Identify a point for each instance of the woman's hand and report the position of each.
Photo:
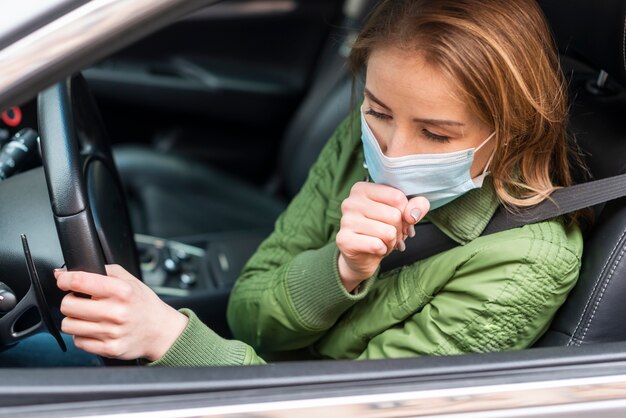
(375, 220)
(124, 318)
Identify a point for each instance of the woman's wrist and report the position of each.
(168, 332)
(350, 279)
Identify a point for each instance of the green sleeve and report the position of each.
(199, 346)
(290, 291)
(503, 298)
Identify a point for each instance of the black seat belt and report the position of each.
(429, 240)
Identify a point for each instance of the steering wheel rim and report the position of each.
(85, 191)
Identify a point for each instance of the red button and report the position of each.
(12, 117)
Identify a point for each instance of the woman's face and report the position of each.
(413, 109)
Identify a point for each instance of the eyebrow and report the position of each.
(439, 122)
(373, 98)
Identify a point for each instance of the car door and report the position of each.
(207, 88)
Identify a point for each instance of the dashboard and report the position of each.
(19, 150)
(16, 118)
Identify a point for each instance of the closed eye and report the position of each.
(434, 137)
(376, 114)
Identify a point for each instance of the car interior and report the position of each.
(215, 120)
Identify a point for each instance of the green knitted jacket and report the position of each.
(492, 293)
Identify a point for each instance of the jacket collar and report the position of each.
(465, 218)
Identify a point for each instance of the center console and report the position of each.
(195, 265)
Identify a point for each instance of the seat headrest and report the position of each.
(592, 30)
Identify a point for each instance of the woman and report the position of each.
(464, 110)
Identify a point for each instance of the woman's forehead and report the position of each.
(405, 81)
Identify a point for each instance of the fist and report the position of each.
(376, 219)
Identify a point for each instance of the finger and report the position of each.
(355, 244)
(394, 198)
(381, 193)
(89, 329)
(376, 211)
(58, 271)
(364, 226)
(92, 310)
(414, 212)
(108, 348)
(115, 270)
(96, 285)
(91, 345)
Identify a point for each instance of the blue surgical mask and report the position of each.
(440, 178)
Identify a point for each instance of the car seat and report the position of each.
(170, 196)
(591, 37)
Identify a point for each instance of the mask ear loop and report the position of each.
(479, 179)
(486, 169)
(484, 142)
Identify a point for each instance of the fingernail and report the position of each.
(416, 214)
(404, 237)
(411, 231)
(401, 246)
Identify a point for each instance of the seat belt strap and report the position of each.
(561, 202)
(430, 240)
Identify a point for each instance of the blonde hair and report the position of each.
(501, 56)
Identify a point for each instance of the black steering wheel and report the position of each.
(79, 191)
(85, 191)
